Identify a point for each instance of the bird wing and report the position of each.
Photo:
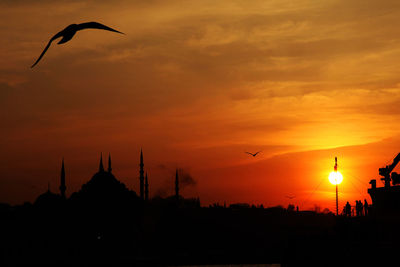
(249, 153)
(58, 35)
(257, 153)
(95, 25)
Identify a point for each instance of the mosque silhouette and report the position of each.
(104, 190)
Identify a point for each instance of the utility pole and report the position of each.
(337, 196)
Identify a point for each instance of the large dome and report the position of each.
(104, 190)
(103, 183)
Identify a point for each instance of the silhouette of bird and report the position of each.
(253, 154)
(70, 31)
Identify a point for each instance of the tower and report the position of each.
(176, 185)
(141, 177)
(62, 180)
(101, 168)
(146, 189)
(109, 163)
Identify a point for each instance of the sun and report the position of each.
(335, 178)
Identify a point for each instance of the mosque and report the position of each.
(104, 192)
(102, 188)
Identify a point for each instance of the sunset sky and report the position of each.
(196, 84)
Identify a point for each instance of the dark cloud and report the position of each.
(185, 179)
(167, 187)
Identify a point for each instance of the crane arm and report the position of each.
(389, 168)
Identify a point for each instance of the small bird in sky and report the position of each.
(70, 31)
(253, 154)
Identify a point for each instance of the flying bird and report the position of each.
(70, 31)
(253, 154)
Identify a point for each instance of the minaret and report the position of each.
(146, 189)
(109, 163)
(141, 177)
(176, 185)
(62, 180)
(101, 168)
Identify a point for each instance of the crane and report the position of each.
(387, 174)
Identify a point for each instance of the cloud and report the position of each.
(185, 179)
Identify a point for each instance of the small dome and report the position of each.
(47, 199)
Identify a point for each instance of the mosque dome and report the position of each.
(103, 182)
(103, 189)
(47, 199)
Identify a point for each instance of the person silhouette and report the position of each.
(357, 208)
(348, 209)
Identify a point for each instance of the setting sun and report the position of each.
(335, 178)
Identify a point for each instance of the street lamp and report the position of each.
(336, 178)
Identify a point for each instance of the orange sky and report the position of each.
(197, 83)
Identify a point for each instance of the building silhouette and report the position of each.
(103, 189)
(48, 200)
(104, 193)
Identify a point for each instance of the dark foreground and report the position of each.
(156, 235)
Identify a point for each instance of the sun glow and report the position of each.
(335, 178)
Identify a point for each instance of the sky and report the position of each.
(195, 84)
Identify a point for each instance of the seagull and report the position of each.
(70, 31)
(255, 154)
